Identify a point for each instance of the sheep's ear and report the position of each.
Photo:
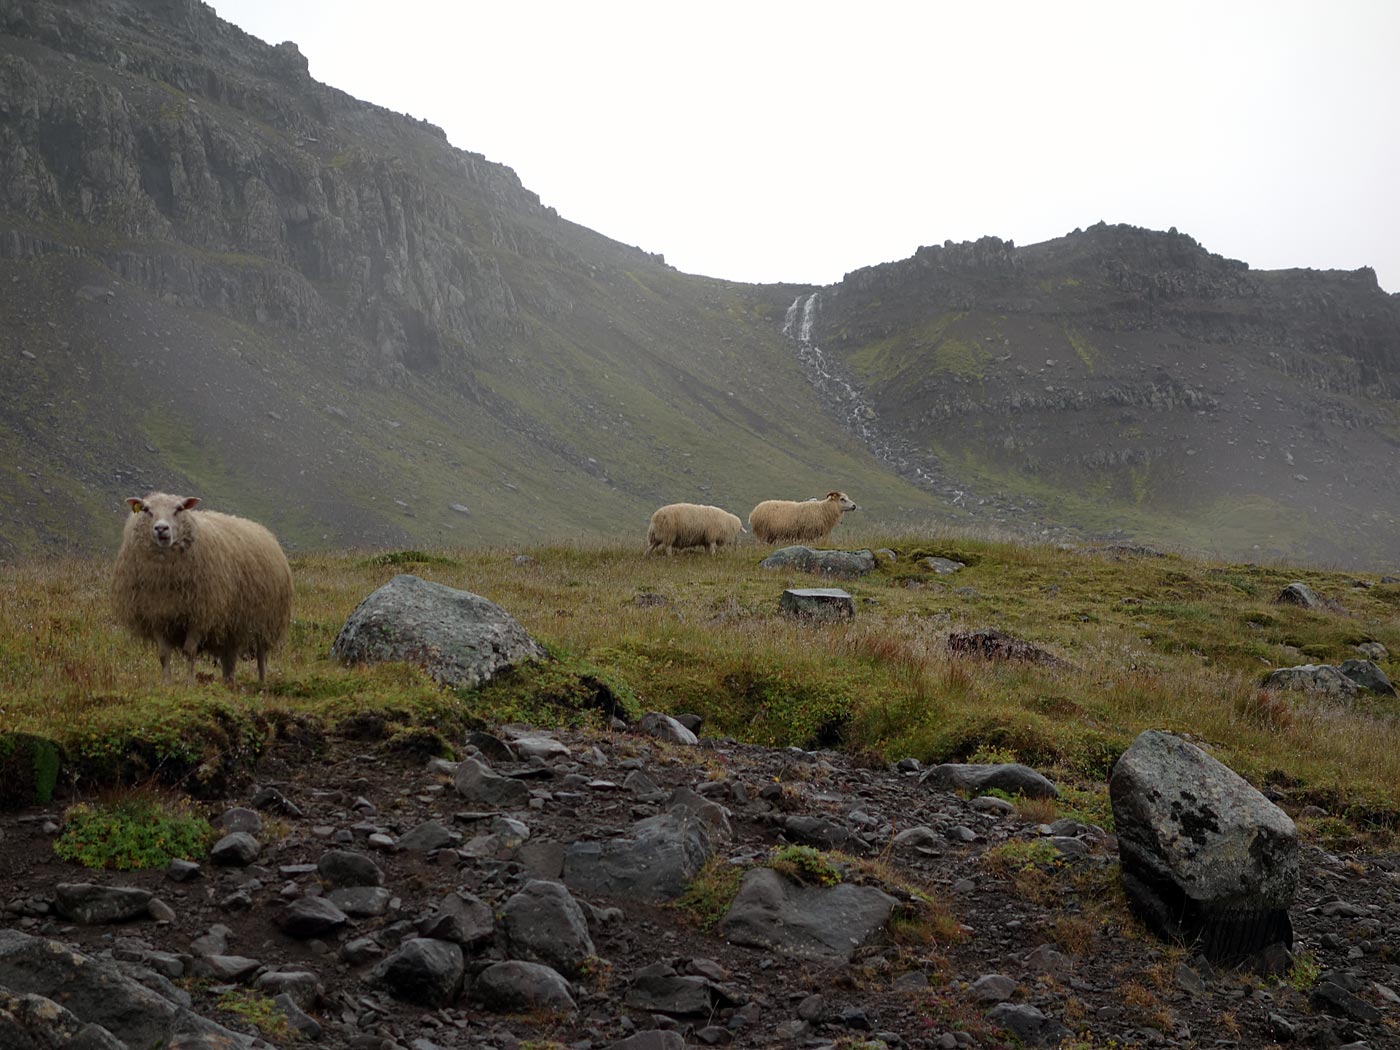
(189, 503)
(136, 505)
(833, 494)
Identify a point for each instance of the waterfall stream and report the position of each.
(847, 401)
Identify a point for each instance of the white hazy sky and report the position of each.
(767, 140)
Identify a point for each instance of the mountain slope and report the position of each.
(1129, 380)
(226, 278)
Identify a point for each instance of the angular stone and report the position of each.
(942, 566)
(309, 917)
(241, 819)
(664, 727)
(1011, 777)
(462, 919)
(651, 1039)
(361, 902)
(1205, 857)
(543, 923)
(1368, 676)
(815, 922)
(1298, 593)
(1028, 1024)
(99, 994)
(522, 987)
(480, 785)
(537, 745)
(828, 604)
(993, 988)
(35, 1022)
(91, 905)
(235, 850)
(298, 1020)
(429, 835)
(459, 638)
(340, 867)
(846, 565)
(660, 858)
(302, 986)
(422, 971)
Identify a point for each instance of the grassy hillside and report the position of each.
(1144, 642)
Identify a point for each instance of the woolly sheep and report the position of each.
(680, 525)
(200, 582)
(786, 521)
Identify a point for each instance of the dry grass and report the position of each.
(1154, 643)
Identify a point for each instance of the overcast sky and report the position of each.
(772, 141)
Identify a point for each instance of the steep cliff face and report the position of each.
(1126, 379)
(224, 277)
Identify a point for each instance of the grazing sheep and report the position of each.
(786, 521)
(680, 525)
(201, 582)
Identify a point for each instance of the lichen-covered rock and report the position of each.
(1319, 679)
(1205, 857)
(459, 638)
(844, 564)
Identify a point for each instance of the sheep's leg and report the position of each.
(650, 547)
(165, 650)
(191, 651)
(262, 662)
(228, 660)
(713, 547)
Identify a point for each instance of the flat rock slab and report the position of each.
(91, 905)
(1205, 857)
(459, 638)
(846, 565)
(1011, 777)
(812, 922)
(818, 603)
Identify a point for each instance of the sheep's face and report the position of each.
(843, 501)
(164, 517)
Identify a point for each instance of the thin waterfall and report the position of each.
(840, 394)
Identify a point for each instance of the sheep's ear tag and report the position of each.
(135, 504)
(190, 503)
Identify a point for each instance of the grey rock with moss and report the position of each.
(461, 639)
(1206, 859)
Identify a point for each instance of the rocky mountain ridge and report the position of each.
(226, 278)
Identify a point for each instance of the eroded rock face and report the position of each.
(1206, 858)
(459, 638)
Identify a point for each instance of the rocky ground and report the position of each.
(402, 885)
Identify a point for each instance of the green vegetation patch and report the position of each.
(395, 558)
(707, 899)
(805, 864)
(136, 830)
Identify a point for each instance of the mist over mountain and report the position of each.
(221, 277)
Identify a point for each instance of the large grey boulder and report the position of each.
(1318, 679)
(1368, 676)
(522, 987)
(1205, 857)
(1011, 777)
(543, 923)
(423, 971)
(459, 638)
(33, 1022)
(658, 860)
(846, 565)
(100, 995)
(824, 923)
(462, 918)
